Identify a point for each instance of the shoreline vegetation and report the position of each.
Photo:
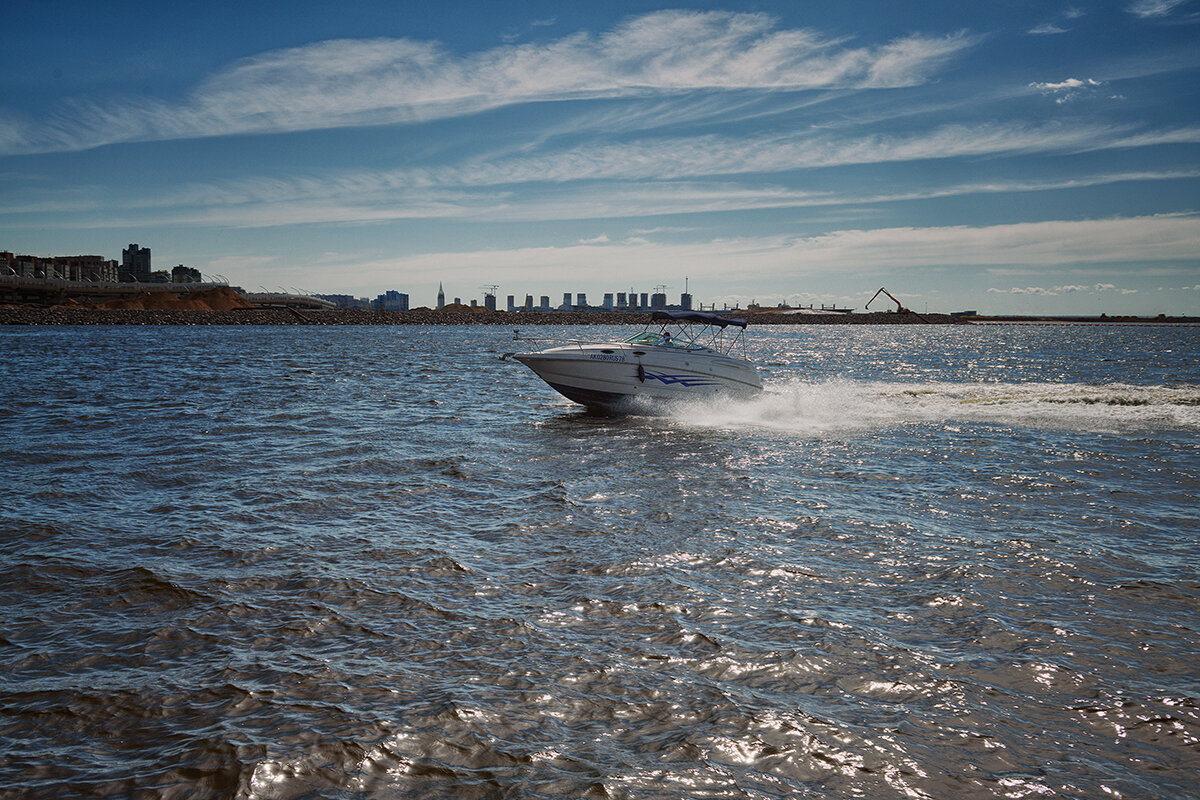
(84, 315)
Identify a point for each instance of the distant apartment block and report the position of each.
(182, 274)
(347, 301)
(135, 263)
(577, 301)
(65, 268)
(390, 301)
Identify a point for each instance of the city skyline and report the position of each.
(1016, 159)
(136, 267)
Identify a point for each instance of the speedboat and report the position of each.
(680, 355)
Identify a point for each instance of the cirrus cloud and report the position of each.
(1046, 247)
(347, 83)
(1056, 291)
(1148, 9)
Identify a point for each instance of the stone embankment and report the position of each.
(81, 315)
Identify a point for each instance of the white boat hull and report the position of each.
(615, 376)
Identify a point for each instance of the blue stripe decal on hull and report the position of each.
(680, 380)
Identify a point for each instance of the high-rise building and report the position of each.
(581, 301)
(135, 263)
(658, 300)
(685, 301)
(512, 303)
(441, 301)
(608, 301)
(566, 306)
(528, 302)
(391, 301)
(545, 304)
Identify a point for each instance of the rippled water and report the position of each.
(380, 562)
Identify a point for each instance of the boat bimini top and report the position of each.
(692, 330)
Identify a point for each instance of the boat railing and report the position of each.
(543, 340)
(688, 336)
(520, 337)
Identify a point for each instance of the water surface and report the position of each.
(382, 562)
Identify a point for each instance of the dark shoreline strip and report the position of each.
(60, 315)
(32, 315)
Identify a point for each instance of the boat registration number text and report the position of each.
(606, 357)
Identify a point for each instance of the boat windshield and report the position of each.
(646, 337)
(661, 338)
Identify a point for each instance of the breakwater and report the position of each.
(72, 315)
(69, 315)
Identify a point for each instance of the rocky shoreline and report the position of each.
(82, 315)
(68, 315)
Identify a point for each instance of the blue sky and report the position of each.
(1010, 157)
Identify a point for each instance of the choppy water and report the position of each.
(381, 562)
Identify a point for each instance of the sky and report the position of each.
(1009, 157)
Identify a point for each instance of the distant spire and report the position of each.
(441, 296)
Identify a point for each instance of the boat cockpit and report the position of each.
(662, 338)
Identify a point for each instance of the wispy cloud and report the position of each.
(1054, 28)
(1056, 291)
(1154, 8)
(690, 157)
(1047, 246)
(350, 202)
(651, 178)
(345, 83)
(1050, 243)
(1151, 138)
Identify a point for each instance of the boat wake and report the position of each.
(847, 406)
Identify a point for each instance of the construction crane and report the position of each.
(900, 309)
(489, 296)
